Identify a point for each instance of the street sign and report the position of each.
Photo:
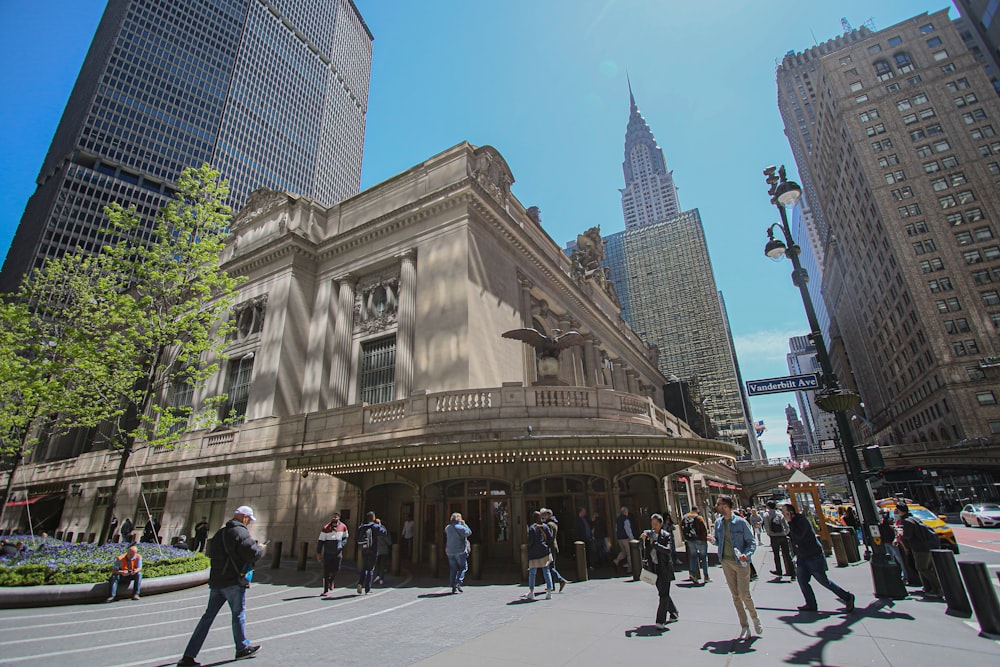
(827, 444)
(783, 384)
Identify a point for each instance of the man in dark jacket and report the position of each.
(777, 530)
(659, 545)
(919, 542)
(233, 553)
(810, 560)
(625, 532)
(367, 539)
(550, 520)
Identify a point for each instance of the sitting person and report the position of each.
(182, 543)
(127, 567)
(8, 549)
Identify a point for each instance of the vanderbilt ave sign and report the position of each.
(783, 384)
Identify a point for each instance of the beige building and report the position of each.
(369, 373)
(895, 137)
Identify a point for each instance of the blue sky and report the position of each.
(543, 81)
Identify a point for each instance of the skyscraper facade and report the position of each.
(271, 94)
(819, 425)
(895, 137)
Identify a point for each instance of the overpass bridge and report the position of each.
(980, 454)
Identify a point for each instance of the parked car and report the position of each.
(983, 514)
(935, 522)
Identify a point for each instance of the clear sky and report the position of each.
(543, 81)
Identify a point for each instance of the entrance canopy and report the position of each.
(31, 500)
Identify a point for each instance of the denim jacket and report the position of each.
(741, 533)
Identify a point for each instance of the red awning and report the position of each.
(717, 485)
(681, 478)
(30, 501)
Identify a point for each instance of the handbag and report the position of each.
(646, 575)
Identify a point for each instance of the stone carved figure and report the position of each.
(547, 347)
(260, 202)
(376, 304)
(490, 170)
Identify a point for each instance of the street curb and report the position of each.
(46, 596)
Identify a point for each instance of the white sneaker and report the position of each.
(758, 628)
(361, 588)
(744, 633)
(548, 594)
(529, 596)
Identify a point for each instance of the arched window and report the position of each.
(882, 70)
(903, 62)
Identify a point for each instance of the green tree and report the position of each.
(145, 315)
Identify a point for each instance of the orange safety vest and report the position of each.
(126, 563)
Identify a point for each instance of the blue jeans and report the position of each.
(816, 567)
(546, 572)
(236, 596)
(555, 573)
(119, 578)
(459, 565)
(697, 553)
(367, 573)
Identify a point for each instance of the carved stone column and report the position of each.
(631, 381)
(340, 361)
(406, 323)
(618, 378)
(317, 362)
(566, 361)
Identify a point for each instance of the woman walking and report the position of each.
(659, 547)
(539, 555)
(756, 521)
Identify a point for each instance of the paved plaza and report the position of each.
(605, 621)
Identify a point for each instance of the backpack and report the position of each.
(775, 522)
(366, 540)
(925, 536)
(689, 529)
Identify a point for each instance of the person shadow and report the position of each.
(646, 631)
(443, 594)
(730, 646)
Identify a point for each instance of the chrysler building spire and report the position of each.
(649, 195)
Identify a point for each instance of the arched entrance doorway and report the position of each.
(642, 495)
(392, 502)
(485, 504)
(565, 496)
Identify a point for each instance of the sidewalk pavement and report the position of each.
(611, 622)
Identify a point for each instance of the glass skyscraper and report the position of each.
(271, 94)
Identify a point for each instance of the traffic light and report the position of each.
(873, 458)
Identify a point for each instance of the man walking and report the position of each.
(810, 561)
(368, 533)
(200, 534)
(330, 550)
(695, 534)
(777, 530)
(585, 534)
(734, 538)
(456, 535)
(549, 519)
(233, 553)
(625, 532)
(919, 540)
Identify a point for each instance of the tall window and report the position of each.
(240, 373)
(378, 370)
(155, 495)
(181, 397)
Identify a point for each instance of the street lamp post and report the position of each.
(886, 575)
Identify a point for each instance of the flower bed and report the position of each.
(51, 561)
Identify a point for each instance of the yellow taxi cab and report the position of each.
(929, 519)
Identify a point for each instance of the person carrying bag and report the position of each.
(658, 545)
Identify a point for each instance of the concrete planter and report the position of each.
(44, 596)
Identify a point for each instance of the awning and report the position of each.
(31, 500)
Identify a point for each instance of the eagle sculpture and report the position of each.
(548, 347)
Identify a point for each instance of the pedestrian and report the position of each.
(550, 521)
(658, 544)
(182, 543)
(201, 534)
(113, 530)
(126, 534)
(919, 539)
(539, 555)
(233, 555)
(585, 534)
(151, 533)
(384, 554)
(127, 567)
(407, 536)
(810, 562)
(777, 530)
(625, 532)
(887, 533)
(367, 539)
(600, 531)
(695, 534)
(456, 548)
(755, 523)
(330, 549)
(852, 521)
(734, 539)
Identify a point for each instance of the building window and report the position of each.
(983, 234)
(991, 298)
(934, 41)
(856, 87)
(942, 146)
(916, 228)
(181, 397)
(973, 257)
(152, 495)
(940, 55)
(949, 162)
(931, 265)
(903, 63)
(940, 285)
(995, 426)
(981, 277)
(964, 238)
(921, 247)
(238, 395)
(895, 41)
(378, 370)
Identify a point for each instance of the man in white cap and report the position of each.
(233, 552)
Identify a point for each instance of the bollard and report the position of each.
(432, 559)
(581, 561)
(951, 583)
(394, 563)
(851, 545)
(524, 563)
(476, 562)
(635, 549)
(983, 595)
(276, 556)
(303, 555)
(839, 550)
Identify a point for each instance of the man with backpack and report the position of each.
(919, 539)
(777, 529)
(368, 533)
(695, 534)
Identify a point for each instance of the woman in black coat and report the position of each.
(659, 546)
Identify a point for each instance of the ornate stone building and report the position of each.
(368, 371)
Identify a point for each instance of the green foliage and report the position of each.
(96, 573)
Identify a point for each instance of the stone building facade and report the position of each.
(368, 372)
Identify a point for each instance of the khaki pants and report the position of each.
(738, 579)
(925, 566)
(625, 553)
